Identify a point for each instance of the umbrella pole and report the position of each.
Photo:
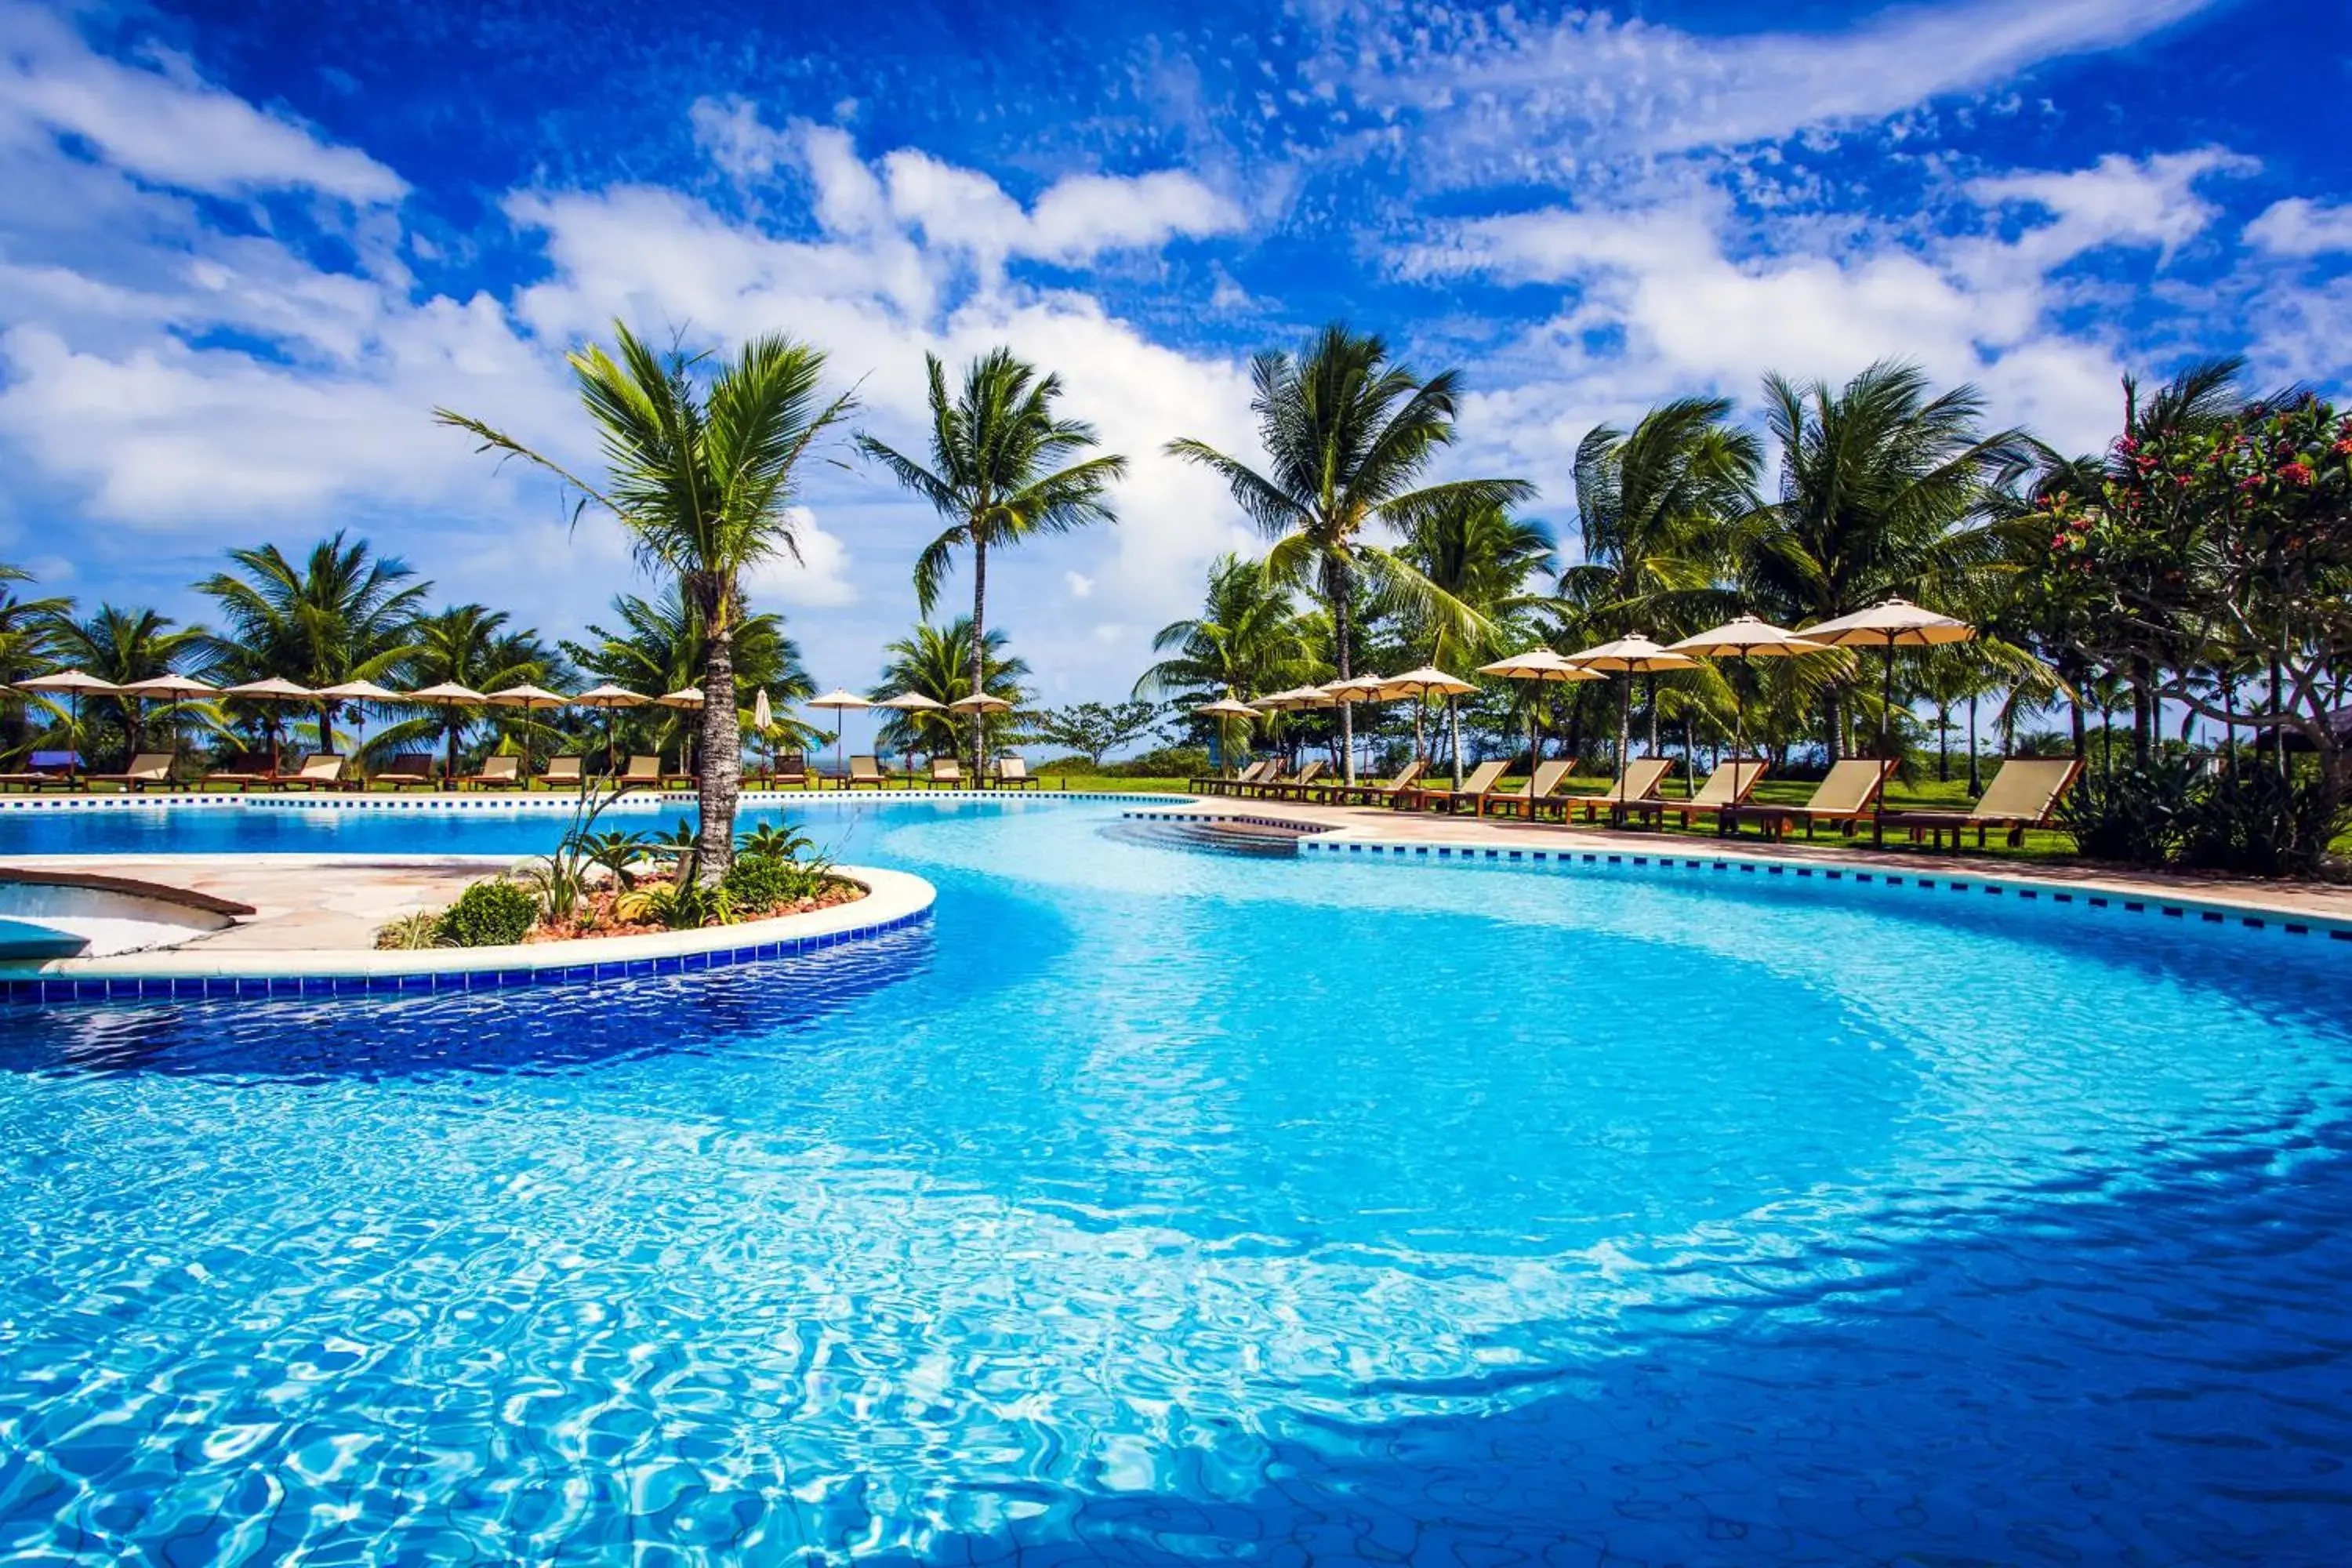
(1885, 722)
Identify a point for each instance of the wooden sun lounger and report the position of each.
(1474, 791)
(867, 772)
(562, 772)
(1544, 786)
(502, 772)
(1388, 794)
(1639, 783)
(323, 771)
(1843, 799)
(946, 771)
(790, 771)
(1292, 788)
(1255, 773)
(1012, 773)
(408, 770)
(148, 769)
(1729, 785)
(245, 770)
(2023, 794)
(35, 780)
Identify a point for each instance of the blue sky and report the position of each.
(245, 248)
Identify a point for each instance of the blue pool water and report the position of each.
(1155, 1205)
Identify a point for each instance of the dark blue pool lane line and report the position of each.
(214, 987)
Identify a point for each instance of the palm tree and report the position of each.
(27, 633)
(1347, 434)
(658, 646)
(996, 475)
(1248, 639)
(940, 663)
(344, 615)
(1482, 558)
(1879, 483)
(122, 646)
(703, 478)
(466, 644)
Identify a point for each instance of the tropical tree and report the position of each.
(1001, 472)
(701, 472)
(940, 663)
(1887, 488)
(27, 637)
(1485, 559)
(1247, 640)
(345, 614)
(469, 645)
(1348, 435)
(1095, 729)
(120, 647)
(658, 645)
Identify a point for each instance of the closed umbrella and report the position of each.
(841, 700)
(1538, 664)
(1887, 626)
(1225, 710)
(275, 689)
(912, 703)
(1744, 637)
(609, 698)
(1636, 655)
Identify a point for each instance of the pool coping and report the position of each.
(894, 901)
(551, 801)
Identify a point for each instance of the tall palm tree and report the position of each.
(945, 664)
(703, 476)
(1346, 433)
(27, 637)
(345, 614)
(1000, 473)
(1485, 559)
(1884, 490)
(122, 646)
(1248, 639)
(466, 644)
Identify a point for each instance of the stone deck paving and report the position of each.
(303, 903)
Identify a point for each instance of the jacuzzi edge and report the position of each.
(894, 900)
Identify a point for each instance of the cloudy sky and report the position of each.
(245, 248)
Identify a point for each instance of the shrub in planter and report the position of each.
(2260, 825)
(758, 883)
(487, 914)
(2136, 815)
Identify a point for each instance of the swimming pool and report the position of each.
(1155, 1205)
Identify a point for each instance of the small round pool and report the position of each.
(1151, 1204)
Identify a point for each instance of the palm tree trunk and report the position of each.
(1836, 703)
(1453, 723)
(1976, 786)
(979, 655)
(720, 778)
(327, 727)
(1343, 623)
(1944, 740)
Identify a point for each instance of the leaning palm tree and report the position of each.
(1347, 434)
(997, 475)
(345, 614)
(702, 475)
(1884, 490)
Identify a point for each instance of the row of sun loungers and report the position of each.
(2024, 794)
(152, 771)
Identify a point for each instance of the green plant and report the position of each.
(756, 884)
(487, 914)
(2257, 823)
(2134, 815)
(775, 841)
(410, 932)
(615, 852)
(682, 905)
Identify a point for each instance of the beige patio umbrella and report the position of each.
(1636, 655)
(530, 700)
(979, 705)
(73, 685)
(686, 697)
(912, 703)
(610, 698)
(360, 691)
(1422, 684)
(1346, 694)
(171, 688)
(1889, 624)
(1538, 664)
(841, 700)
(274, 689)
(1744, 637)
(449, 696)
(1225, 710)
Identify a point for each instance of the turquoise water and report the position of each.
(1155, 1205)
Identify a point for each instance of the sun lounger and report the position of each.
(1389, 794)
(244, 770)
(1292, 788)
(562, 772)
(1729, 784)
(323, 771)
(1545, 785)
(501, 771)
(1638, 783)
(1012, 773)
(947, 771)
(148, 769)
(34, 780)
(865, 773)
(1255, 773)
(1843, 798)
(408, 770)
(1473, 793)
(642, 770)
(2023, 794)
(790, 771)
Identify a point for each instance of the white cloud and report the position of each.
(818, 579)
(2299, 227)
(1081, 585)
(166, 125)
(2117, 201)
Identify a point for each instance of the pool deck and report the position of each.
(301, 903)
(1382, 825)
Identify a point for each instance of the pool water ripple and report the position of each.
(1155, 1205)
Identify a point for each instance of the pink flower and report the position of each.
(2296, 474)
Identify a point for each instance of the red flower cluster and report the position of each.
(2296, 473)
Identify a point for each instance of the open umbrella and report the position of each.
(1538, 664)
(75, 685)
(1887, 626)
(448, 696)
(841, 700)
(530, 700)
(169, 689)
(1744, 637)
(1636, 655)
(610, 697)
(1225, 710)
(274, 689)
(356, 692)
(1348, 693)
(979, 705)
(686, 697)
(912, 703)
(1423, 683)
